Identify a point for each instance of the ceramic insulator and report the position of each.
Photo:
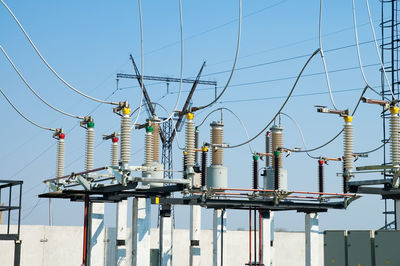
(348, 147)
(125, 139)
(190, 143)
(217, 138)
(156, 142)
(89, 149)
(60, 157)
(394, 139)
(148, 151)
(114, 154)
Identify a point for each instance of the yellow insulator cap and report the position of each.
(348, 119)
(126, 111)
(394, 110)
(184, 153)
(204, 148)
(190, 116)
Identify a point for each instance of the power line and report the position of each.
(47, 64)
(32, 90)
(234, 63)
(23, 116)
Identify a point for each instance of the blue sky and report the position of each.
(89, 42)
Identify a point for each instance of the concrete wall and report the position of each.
(62, 246)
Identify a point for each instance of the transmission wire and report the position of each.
(47, 64)
(33, 91)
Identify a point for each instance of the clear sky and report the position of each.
(89, 42)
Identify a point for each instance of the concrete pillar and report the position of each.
(313, 254)
(97, 256)
(122, 223)
(219, 238)
(267, 237)
(195, 232)
(397, 214)
(141, 232)
(166, 236)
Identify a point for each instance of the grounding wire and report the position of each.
(323, 55)
(234, 62)
(237, 117)
(377, 48)
(358, 49)
(181, 69)
(33, 91)
(23, 116)
(283, 105)
(374, 150)
(47, 64)
(142, 61)
(301, 134)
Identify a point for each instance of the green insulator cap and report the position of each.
(255, 157)
(90, 124)
(276, 153)
(149, 129)
(196, 128)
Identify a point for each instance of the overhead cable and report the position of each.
(47, 64)
(358, 49)
(283, 105)
(377, 48)
(234, 63)
(237, 117)
(33, 91)
(181, 70)
(141, 63)
(323, 55)
(23, 116)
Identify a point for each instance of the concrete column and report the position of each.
(122, 221)
(141, 232)
(267, 238)
(97, 256)
(195, 232)
(166, 237)
(397, 214)
(313, 254)
(219, 238)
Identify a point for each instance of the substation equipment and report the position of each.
(201, 186)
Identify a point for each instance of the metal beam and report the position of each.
(166, 79)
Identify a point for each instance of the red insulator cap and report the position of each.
(268, 133)
(61, 136)
(114, 139)
(321, 162)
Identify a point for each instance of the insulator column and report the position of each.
(156, 142)
(190, 140)
(321, 176)
(89, 165)
(217, 136)
(60, 154)
(184, 157)
(255, 171)
(125, 154)
(114, 151)
(268, 161)
(204, 166)
(148, 151)
(276, 132)
(394, 136)
(348, 147)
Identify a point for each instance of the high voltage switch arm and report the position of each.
(23, 116)
(186, 105)
(33, 91)
(47, 64)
